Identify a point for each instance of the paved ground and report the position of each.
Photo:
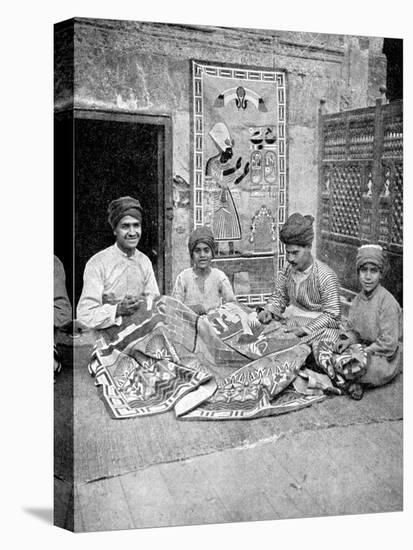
(337, 457)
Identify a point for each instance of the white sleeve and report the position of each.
(90, 310)
(226, 290)
(151, 288)
(178, 291)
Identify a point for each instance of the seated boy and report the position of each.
(373, 329)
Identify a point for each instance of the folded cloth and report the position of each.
(309, 382)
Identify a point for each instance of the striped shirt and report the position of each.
(317, 292)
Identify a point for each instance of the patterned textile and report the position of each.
(224, 366)
(252, 391)
(310, 382)
(225, 224)
(343, 367)
(147, 364)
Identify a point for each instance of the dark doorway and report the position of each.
(117, 155)
(63, 237)
(393, 50)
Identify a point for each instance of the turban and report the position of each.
(370, 253)
(201, 235)
(124, 206)
(298, 230)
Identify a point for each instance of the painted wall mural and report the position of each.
(239, 151)
(239, 172)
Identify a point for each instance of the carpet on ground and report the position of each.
(167, 357)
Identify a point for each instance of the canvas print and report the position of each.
(228, 219)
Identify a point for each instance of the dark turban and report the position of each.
(298, 230)
(124, 206)
(201, 235)
(370, 253)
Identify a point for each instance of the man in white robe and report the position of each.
(119, 279)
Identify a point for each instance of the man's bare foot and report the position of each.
(356, 391)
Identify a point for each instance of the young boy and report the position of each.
(374, 322)
(202, 287)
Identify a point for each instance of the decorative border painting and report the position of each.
(241, 195)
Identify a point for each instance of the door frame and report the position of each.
(164, 184)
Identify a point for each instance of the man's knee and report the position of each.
(379, 372)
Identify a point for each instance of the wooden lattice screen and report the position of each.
(361, 189)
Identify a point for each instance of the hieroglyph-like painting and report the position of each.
(239, 157)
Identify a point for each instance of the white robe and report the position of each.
(109, 276)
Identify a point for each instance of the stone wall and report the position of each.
(134, 67)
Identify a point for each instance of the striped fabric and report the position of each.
(320, 291)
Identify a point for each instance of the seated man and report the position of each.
(120, 278)
(62, 309)
(307, 290)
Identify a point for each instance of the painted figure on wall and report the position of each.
(225, 223)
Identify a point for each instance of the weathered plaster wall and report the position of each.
(137, 67)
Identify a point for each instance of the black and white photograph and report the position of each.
(226, 219)
(235, 274)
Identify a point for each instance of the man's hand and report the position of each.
(67, 326)
(73, 327)
(265, 316)
(298, 331)
(128, 306)
(343, 344)
(198, 309)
